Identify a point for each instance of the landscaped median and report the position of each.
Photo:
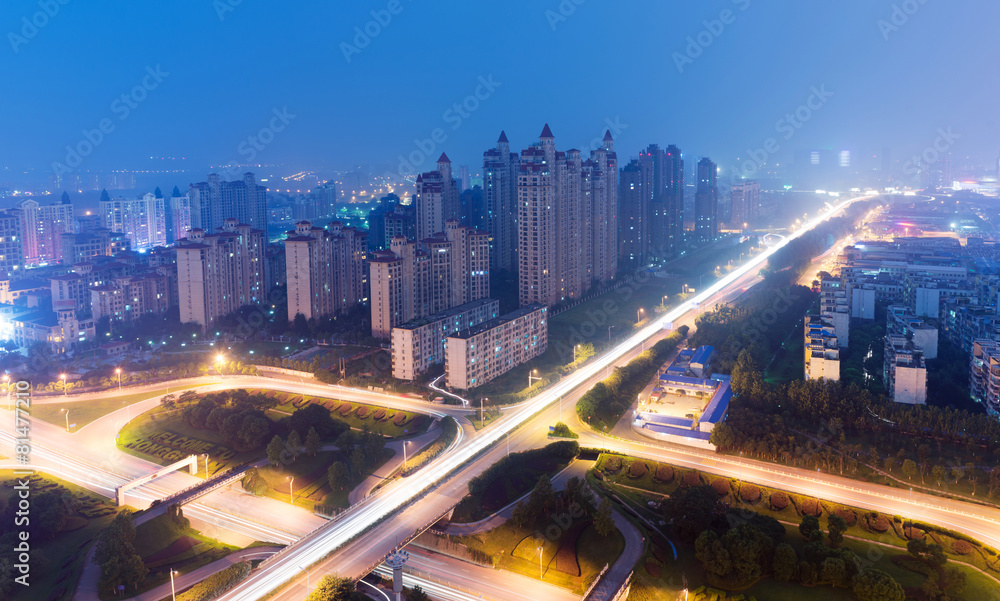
(604, 404)
(741, 538)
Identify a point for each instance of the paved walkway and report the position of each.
(614, 578)
(576, 469)
(413, 446)
(87, 589)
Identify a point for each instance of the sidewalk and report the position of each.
(414, 446)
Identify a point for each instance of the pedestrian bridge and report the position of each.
(191, 462)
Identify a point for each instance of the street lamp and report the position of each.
(219, 359)
(638, 315)
(63, 378)
(531, 377)
(482, 411)
(173, 593)
(291, 490)
(541, 570)
(574, 352)
(66, 411)
(118, 371)
(308, 586)
(405, 442)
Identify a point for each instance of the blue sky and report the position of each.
(601, 61)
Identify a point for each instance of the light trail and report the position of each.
(329, 538)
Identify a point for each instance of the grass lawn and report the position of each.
(311, 486)
(164, 545)
(65, 554)
(83, 412)
(350, 413)
(516, 550)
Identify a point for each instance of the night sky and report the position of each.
(224, 70)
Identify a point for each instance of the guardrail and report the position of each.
(596, 581)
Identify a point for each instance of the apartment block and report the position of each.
(567, 220)
(744, 198)
(324, 269)
(11, 245)
(479, 354)
(436, 199)
(901, 322)
(220, 272)
(985, 374)
(42, 227)
(143, 220)
(127, 298)
(822, 351)
(100, 242)
(421, 343)
(904, 371)
(215, 201)
(833, 305)
(414, 280)
(500, 172)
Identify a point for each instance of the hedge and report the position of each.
(217, 583)
(779, 500)
(362, 412)
(750, 493)
(637, 469)
(722, 486)
(664, 473)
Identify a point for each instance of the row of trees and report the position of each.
(115, 554)
(544, 504)
(606, 402)
(238, 416)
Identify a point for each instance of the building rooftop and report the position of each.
(493, 323)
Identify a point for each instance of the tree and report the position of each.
(293, 445)
(690, 511)
(313, 444)
(994, 479)
(337, 476)
(909, 469)
(809, 527)
(876, 585)
(417, 594)
(834, 571)
(275, 450)
(938, 473)
(837, 526)
(300, 325)
(116, 555)
(713, 554)
(333, 588)
(604, 521)
(785, 563)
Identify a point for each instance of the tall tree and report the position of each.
(604, 520)
(809, 527)
(313, 444)
(293, 445)
(275, 450)
(876, 585)
(333, 587)
(837, 526)
(338, 476)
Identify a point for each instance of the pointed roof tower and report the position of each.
(444, 158)
(546, 133)
(503, 137)
(607, 136)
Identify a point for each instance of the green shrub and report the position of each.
(637, 469)
(779, 500)
(961, 547)
(749, 493)
(721, 486)
(217, 583)
(612, 464)
(664, 473)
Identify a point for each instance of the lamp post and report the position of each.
(531, 377)
(219, 359)
(63, 378)
(541, 570)
(173, 592)
(291, 490)
(482, 411)
(67, 418)
(118, 371)
(308, 586)
(574, 352)
(638, 315)
(405, 442)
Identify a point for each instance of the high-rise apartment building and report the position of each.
(98, 243)
(11, 244)
(324, 198)
(217, 273)
(143, 220)
(745, 201)
(178, 216)
(633, 216)
(215, 201)
(567, 221)
(437, 199)
(421, 343)
(42, 227)
(324, 269)
(413, 280)
(822, 353)
(706, 201)
(500, 171)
